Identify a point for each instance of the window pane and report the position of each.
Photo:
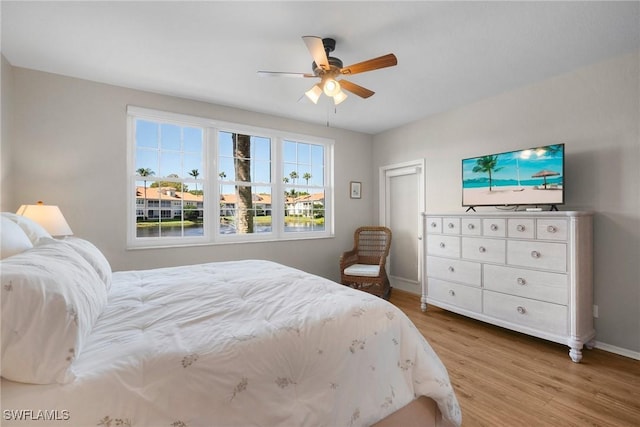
(146, 162)
(225, 144)
(244, 158)
(164, 211)
(261, 171)
(304, 163)
(304, 153)
(261, 148)
(226, 171)
(168, 207)
(170, 164)
(193, 166)
(147, 134)
(304, 210)
(317, 175)
(170, 137)
(245, 209)
(289, 152)
(193, 140)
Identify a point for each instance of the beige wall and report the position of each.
(65, 143)
(596, 112)
(69, 149)
(6, 91)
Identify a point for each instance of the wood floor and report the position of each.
(503, 378)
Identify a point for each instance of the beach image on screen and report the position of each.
(524, 177)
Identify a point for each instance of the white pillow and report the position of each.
(51, 298)
(90, 253)
(32, 229)
(12, 238)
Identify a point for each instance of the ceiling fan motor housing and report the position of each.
(329, 45)
(335, 64)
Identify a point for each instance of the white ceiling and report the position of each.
(449, 53)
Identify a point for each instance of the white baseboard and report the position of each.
(617, 350)
(405, 285)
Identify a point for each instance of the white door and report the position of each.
(401, 207)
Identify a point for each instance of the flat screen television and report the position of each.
(534, 176)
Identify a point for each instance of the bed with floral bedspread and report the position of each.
(243, 343)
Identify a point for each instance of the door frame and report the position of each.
(387, 172)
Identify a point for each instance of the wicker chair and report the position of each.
(363, 267)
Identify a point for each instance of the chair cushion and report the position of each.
(366, 270)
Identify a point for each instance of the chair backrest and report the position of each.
(372, 244)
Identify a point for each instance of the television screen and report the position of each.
(534, 176)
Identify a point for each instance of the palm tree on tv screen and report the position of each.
(487, 164)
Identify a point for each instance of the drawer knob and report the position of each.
(471, 226)
(521, 281)
(520, 228)
(551, 229)
(433, 225)
(442, 245)
(450, 225)
(521, 309)
(451, 269)
(482, 249)
(493, 227)
(535, 254)
(453, 294)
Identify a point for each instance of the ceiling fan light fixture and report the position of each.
(331, 87)
(314, 93)
(339, 97)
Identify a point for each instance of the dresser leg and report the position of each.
(576, 354)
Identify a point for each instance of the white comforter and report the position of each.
(247, 343)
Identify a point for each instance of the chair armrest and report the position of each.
(348, 258)
(383, 261)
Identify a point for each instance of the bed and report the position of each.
(242, 343)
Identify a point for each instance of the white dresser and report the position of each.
(526, 271)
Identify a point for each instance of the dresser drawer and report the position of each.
(494, 227)
(543, 316)
(471, 227)
(539, 255)
(552, 229)
(478, 249)
(454, 270)
(521, 228)
(461, 296)
(451, 225)
(447, 246)
(433, 224)
(539, 285)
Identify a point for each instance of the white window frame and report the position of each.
(211, 184)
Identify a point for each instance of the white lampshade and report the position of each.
(331, 87)
(314, 93)
(339, 97)
(48, 216)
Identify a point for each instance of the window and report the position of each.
(303, 173)
(199, 181)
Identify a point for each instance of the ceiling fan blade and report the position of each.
(355, 89)
(384, 61)
(316, 48)
(284, 74)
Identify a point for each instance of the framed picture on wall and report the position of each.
(356, 190)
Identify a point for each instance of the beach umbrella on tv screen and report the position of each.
(544, 174)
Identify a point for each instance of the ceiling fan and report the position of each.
(328, 69)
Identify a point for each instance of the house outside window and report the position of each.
(199, 181)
